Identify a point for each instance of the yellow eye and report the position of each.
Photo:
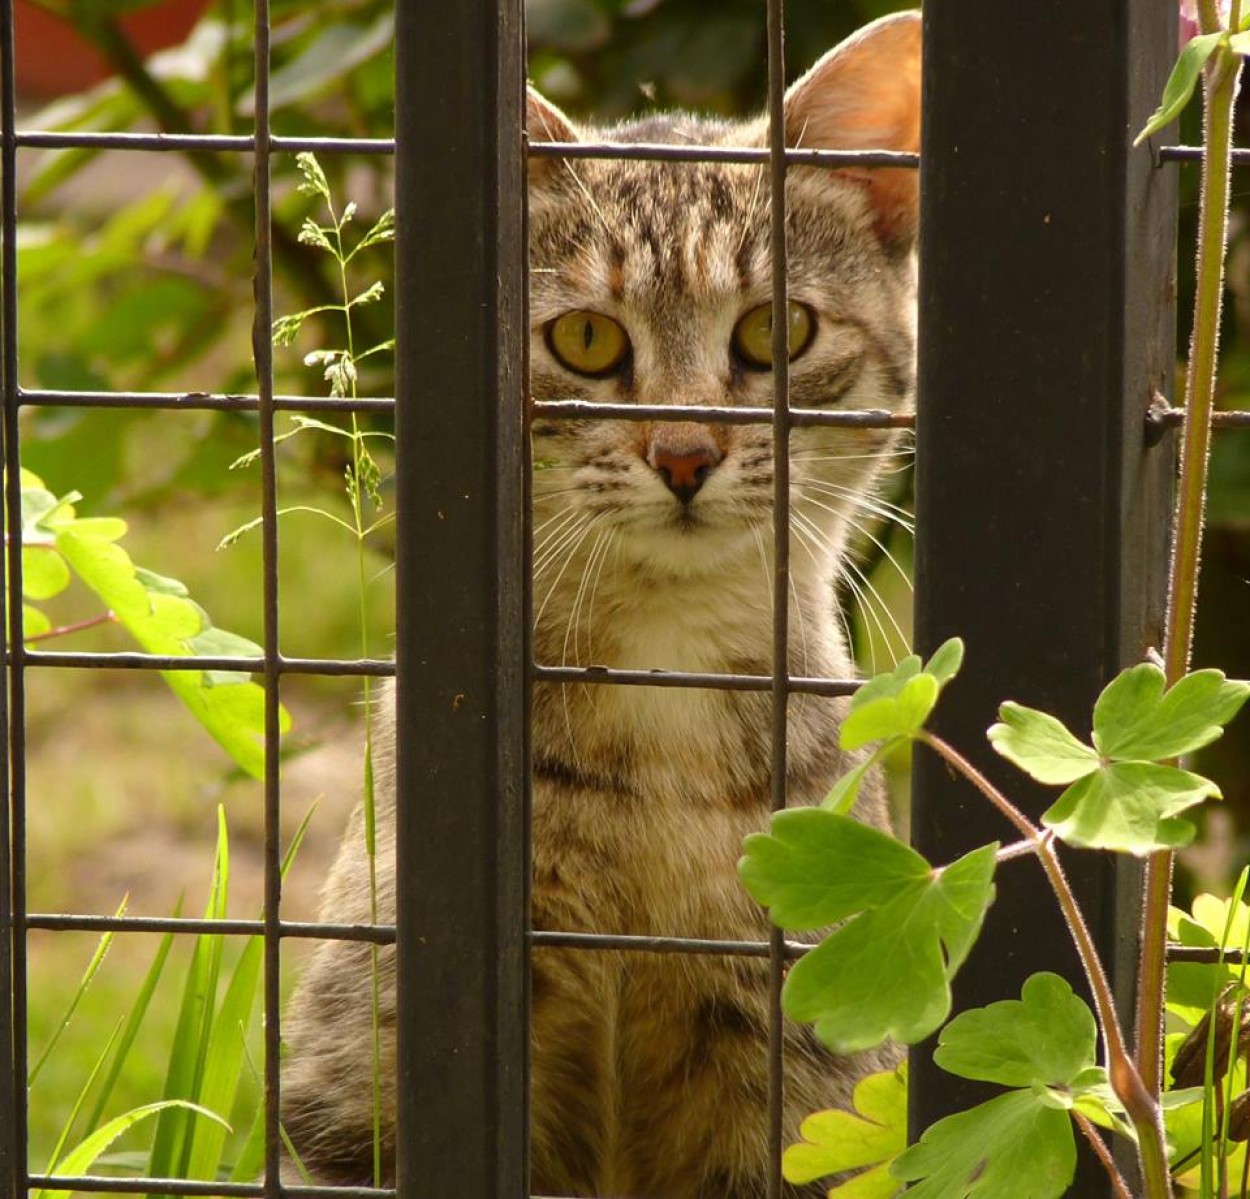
(588, 342)
(753, 334)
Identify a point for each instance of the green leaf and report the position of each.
(34, 623)
(1181, 83)
(866, 1140)
(1135, 719)
(843, 794)
(1040, 745)
(44, 573)
(1012, 1145)
(1047, 1036)
(163, 619)
(80, 1159)
(858, 995)
(946, 660)
(815, 867)
(901, 714)
(1129, 807)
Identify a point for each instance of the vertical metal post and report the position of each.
(13, 1107)
(462, 653)
(1047, 279)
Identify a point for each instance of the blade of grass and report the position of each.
(68, 1127)
(134, 1022)
(224, 1067)
(186, 1057)
(84, 984)
(80, 1159)
(251, 1160)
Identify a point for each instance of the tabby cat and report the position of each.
(650, 283)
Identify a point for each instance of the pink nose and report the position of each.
(684, 474)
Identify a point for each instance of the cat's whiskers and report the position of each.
(812, 540)
(547, 547)
(873, 605)
(572, 632)
(883, 508)
(848, 518)
(567, 548)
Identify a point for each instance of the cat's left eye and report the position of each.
(588, 343)
(753, 334)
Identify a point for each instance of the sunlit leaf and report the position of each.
(865, 1140)
(1012, 1145)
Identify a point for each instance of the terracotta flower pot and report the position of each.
(54, 60)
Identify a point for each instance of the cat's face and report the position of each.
(650, 284)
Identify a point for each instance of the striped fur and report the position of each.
(649, 1071)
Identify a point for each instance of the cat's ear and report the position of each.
(865, 95)
(544, 122)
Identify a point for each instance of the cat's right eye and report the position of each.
(588, 343)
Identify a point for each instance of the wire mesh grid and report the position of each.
(273, 665)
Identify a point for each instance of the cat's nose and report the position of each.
(684, 458)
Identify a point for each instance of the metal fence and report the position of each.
(1045, 335)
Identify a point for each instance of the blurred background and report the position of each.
(135, 275)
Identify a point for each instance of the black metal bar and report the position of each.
(1241, 158)
(13, 1141)
(1042, 515)
(381, 934)
(462, 648)
(183, 1186)
(133, 660)
(13, 1090)
(781, 425)
(744, 155)
(677, 678)
(198, 401)
(37, 139)
(868, 418)
(262, 351)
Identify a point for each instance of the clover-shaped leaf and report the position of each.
(1121, 795)
(1047, 1036)
(1011, 1145)
(866, 1140)
(1135, 719)
(1019, 1144)
(897, 702)
(817, 868)
(1129, 806)
(1041, 745)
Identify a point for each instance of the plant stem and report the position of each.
(1098, 1145)
(1219, 93)
(1140, 1104)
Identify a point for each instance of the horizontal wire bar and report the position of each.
(866, 418)
(60, 922)
(187, 1186)
(1203, 953)
(39, 139)
(558, 409)
(746, 155)
(1241, 158)
(1233, 418)
(384, 934)
(373, 667)
(636, 944)
(685, 678)
(196, 401)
